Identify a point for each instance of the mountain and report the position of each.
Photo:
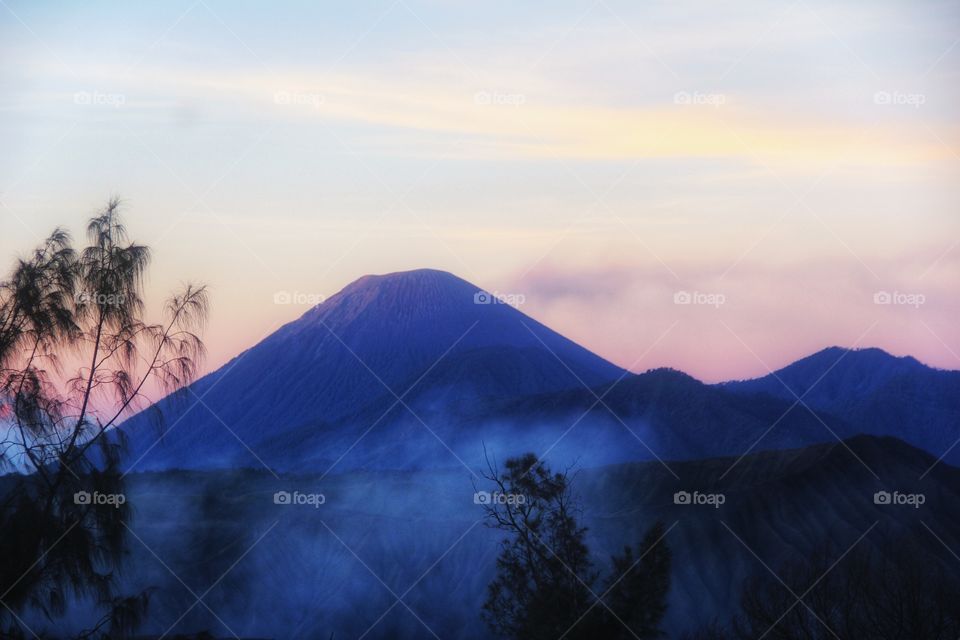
(680, 418)
(833, 374)
(422, 370)
(880, 393)
(354, 355)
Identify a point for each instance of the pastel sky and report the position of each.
(792, 160)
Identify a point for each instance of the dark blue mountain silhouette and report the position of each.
(879, 393)
(410, 371)
(354, 355)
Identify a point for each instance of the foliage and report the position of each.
(545, 582)
(61, 308)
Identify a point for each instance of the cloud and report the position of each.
(524, 118)
(768, 315)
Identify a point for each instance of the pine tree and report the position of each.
(636, 591)
(545, 582)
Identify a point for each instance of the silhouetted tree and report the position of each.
(544, 587)
(59, 307)
(636, 591)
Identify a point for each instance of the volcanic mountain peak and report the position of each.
(404, 298)
(391, 350)
(419, 280)
(405, 287)
(426, 332)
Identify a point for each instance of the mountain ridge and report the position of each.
(393, 366)
(359, 351)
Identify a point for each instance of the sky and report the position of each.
(717, 187)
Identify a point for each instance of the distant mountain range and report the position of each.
(421, 370)
(875, 392)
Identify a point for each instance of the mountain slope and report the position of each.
(678, 417)
(406, 371)
(880, 393)
(350, 355)
(833, 374)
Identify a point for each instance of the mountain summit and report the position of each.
(422, 369)
(380, 334)
(406, 335)
(880, 393)
(834, 373)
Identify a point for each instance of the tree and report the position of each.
(544, 572)
(63, 514)
(636, 592)
(544, 587)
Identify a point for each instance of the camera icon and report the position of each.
(81, 497)
(481, 497)
(682, 97)
(882, 297)
(882, 97)
(282, 97)
(282, 497)
(482, 98)
(282, 297)
(682, 297)
(482, 297)
(681, 497)
(881, 497)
